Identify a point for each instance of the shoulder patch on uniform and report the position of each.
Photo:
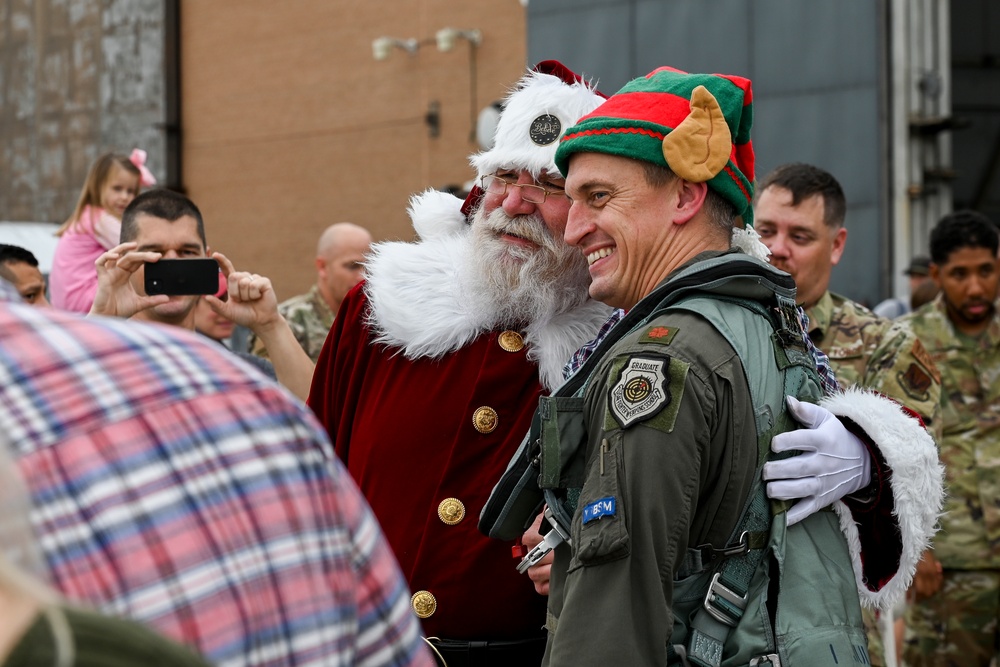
(658, 334)
(921, 354)
(645, 386)
(915, 381)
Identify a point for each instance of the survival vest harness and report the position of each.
(755, 600)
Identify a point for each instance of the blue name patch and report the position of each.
(599, 508)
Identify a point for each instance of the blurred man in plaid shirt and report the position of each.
(172, 486)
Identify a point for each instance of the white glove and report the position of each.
(834, 462)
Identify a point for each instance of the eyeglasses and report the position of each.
(535, 194)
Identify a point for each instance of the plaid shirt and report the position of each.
(176, 487)
(579, 358)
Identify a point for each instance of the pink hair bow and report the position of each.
(138, 158)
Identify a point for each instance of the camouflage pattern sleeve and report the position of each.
(310, 320)
(970, 442)
(901, 368)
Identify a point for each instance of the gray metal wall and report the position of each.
(975, 39)
(77, 77)
(816, 69)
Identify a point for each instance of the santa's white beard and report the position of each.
(521, 284)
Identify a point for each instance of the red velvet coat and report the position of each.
(409, 450)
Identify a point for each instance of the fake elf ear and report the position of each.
(700, 146)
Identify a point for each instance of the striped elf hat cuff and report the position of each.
(698, 125)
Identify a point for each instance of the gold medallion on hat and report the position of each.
(511, 341)
(485, 419)
(424, 604)
(451, 511)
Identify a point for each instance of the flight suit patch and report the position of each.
(647, 389)
(599, 508)
(921, 354)
(915, 382)
(658, 334)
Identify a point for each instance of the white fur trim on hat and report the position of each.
(916, 481)
(534, 96)
(435, 213)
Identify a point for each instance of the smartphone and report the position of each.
(182, 276)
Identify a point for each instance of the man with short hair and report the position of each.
(20, 267)
(165, 224)
(172, 486)
(799, 213)
(340, 256)
(649, 455)
(954, 618)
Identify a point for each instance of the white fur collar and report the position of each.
(416, 305)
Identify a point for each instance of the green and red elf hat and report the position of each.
(697, 125)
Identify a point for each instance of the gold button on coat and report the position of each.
(511, 341)
(424, 604)
(451, 511)
(485, 419)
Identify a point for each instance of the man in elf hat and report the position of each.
(650, 456)
(427, 385)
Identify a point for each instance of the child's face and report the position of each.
(118, 191)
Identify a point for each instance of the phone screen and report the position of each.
(182, 276)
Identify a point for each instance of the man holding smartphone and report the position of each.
(161, 224)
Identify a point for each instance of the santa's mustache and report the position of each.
(528, 227)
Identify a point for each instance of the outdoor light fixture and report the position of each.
(446, 38)
(382, 46)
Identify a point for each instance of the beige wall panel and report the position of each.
(289, 124)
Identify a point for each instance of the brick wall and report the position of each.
(77, 77)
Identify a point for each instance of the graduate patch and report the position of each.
(598, 508)
(641, 390)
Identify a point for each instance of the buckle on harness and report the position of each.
(552, 539)
(715, 603)
(741, 547)
(771, 659)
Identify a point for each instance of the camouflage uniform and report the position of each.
(310, 320)
(876, 353)
(958, 625)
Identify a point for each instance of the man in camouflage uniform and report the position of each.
(954, 619)
(339, 257)
(800, 213)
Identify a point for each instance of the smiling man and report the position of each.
(433, 368)
(955, 617)
(652, 456)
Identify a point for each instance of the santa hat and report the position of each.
(541, 106)
(544, 103)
